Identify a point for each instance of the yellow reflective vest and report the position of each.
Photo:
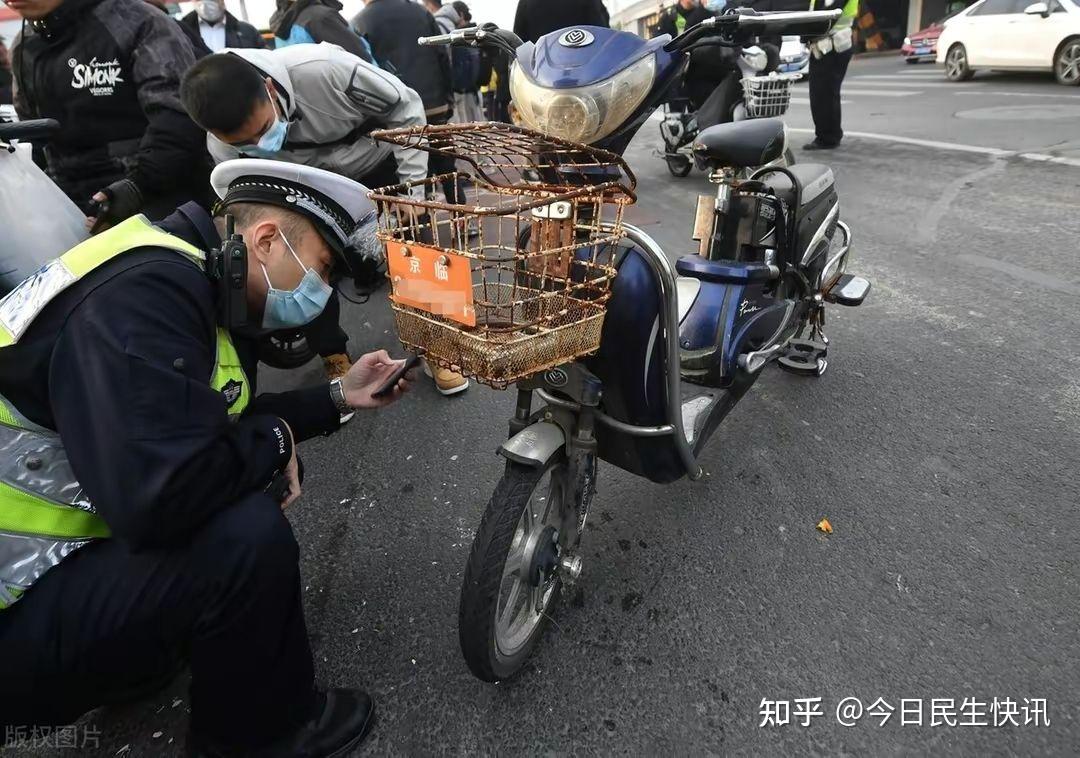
(44, 515)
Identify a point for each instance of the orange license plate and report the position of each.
(432, 280)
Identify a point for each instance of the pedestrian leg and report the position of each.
(324, 335)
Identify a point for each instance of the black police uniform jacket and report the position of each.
(109, 71)
(120, 363)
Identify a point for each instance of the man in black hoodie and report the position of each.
(535, 18)
(109, 72)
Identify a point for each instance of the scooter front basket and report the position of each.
(511, 275)
(768, 96)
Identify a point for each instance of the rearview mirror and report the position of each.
(1037, 9)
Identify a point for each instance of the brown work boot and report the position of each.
(447, 382)
(337, 365)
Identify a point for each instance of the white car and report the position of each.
(794, 56)
(1013, 34)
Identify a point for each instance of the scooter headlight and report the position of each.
(582, 114)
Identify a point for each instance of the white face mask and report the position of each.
(210, 11)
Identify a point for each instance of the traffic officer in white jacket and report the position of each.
(315, 105)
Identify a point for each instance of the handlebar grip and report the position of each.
(438, 39)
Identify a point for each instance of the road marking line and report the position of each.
(881, 92)
(806, 101)
(1038, 278)
(1004, 93)
(927, 75)
(1044, 158)
(896, 83)
(955, 146)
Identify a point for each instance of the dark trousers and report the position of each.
(445, 164)
(106, 621)
(826, 76)
(324, 335)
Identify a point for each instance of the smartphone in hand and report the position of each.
(388, 386)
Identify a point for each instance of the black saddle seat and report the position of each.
(814, 179)
(741, 144)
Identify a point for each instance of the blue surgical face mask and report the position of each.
(273, 139)
(715, 6)
(296, 307)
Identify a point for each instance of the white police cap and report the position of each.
(336, 206)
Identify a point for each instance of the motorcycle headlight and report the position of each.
(582, 114)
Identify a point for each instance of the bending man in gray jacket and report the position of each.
(309, 104)
(316, 105)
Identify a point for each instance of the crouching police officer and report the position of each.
(137, 527)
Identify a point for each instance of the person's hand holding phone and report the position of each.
(369, 375)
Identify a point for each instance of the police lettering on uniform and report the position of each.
(143, 478)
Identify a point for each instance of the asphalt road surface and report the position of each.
(942, 445)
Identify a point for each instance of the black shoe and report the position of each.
(342, 720)
(819, 145)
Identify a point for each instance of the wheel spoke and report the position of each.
(508, 611)
(515, 560)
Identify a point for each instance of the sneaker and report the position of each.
(447, 382)
(337, 365)
(341, 721)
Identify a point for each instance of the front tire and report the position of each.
(956, 64)
(503, 615)
(1067, 63)
(285, 350)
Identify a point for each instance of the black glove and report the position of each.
(122, 200)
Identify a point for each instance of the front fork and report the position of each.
(577, 419)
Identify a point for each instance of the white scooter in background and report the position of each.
(759, 95)
(38, 220)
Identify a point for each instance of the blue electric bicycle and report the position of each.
(680, 345)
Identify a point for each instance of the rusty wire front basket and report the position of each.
(529, 245)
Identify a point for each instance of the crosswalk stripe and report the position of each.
(899, 78)
(806, 101)
(897, 83)
(998, 93)
(881, 92)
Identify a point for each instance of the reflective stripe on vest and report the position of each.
(847, 17)
(44, 515)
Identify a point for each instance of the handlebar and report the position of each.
(749, 23)
(37, 129)
(488, 35)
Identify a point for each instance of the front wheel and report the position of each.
(1067, 64)
(513, 579)
(286, 350)
(956, 64)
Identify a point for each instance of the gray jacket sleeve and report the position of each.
(369, 96)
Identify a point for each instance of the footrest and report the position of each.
(805, 357)
(849, 290)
